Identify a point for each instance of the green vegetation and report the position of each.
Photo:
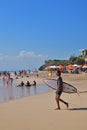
(72, 60)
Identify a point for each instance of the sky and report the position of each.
(33, 31)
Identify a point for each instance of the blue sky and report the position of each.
(32, 31)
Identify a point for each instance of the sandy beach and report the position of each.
(37, 112)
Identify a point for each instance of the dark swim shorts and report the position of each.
(58, 94)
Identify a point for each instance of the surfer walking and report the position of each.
(59, 91)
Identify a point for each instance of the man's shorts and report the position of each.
(58, 94)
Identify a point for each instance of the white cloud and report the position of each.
(31, 54)
(26, 54)
(2, 57)
(25, 60)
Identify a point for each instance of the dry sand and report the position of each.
(37, 112)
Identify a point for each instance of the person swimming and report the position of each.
(21, 84)
(28, 84)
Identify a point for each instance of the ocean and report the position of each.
(8, 93)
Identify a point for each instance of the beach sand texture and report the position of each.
(37, 112)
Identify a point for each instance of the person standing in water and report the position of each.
(59, 91)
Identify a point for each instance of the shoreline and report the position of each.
(42, 75)
(37, 112)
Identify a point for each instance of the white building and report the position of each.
(84, 54)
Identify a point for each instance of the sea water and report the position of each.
(8, 92)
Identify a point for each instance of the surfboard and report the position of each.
(67, 88)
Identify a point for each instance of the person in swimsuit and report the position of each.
(59, 90)
(28, 84)
(21, 84)
(34, 83)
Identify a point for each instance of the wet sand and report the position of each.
(37, 112)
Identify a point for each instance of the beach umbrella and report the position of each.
(61, 67)
(69, 67)
(47, 68)
(53, 67)
(84, 66)
(75, 65)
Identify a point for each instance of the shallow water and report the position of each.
(13, 92)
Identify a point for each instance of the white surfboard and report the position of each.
(67, 88)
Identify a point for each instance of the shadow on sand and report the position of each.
(81, 109)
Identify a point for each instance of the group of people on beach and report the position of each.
(7, 79)
(28, 84)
